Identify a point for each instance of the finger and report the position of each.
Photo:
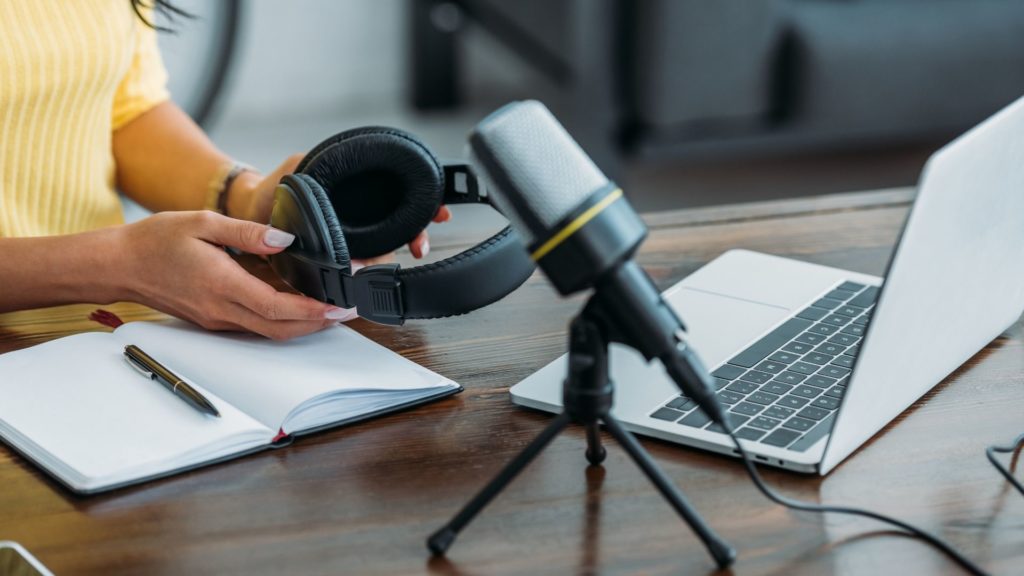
(246, 236)
(443, 215)
(275, 329)
(264, 300)
(420, 245)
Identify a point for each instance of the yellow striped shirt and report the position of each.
(71, 72)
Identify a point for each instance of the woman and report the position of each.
(84, 109)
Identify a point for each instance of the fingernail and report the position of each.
(424, 248)
(340, 314)
(277, 238)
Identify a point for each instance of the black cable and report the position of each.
(935, 541)
(991, 451)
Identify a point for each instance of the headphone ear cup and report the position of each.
(335, 238)
(384, 184)
(302, 208)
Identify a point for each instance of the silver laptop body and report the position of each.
(955, 282)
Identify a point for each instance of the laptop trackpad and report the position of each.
(719, 325)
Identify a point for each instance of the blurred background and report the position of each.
(684, 102)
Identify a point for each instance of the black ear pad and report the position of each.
(384, 186)
(335, 237)
(302, 208)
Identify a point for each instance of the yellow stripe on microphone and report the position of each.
(576, 224)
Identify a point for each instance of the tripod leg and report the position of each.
(722, 552)
(439, 541)
(595, 451)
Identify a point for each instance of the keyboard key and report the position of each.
(729, 397)
(816, 434)
(810, 338)
(825, 402)
(780, 438)
(770, 343)
(790, 378)
(681, 403)
(756, 377)
(830, 349)
(844, 339)
(749, 434)
(806, 391)
(736, 420)
(852, 351)
(784, 357)
(770, 366)
(851, 286)
(719, 383)
(803, 368)
(763, 398)
(823, 329)
(797, 347)
(844, 361)
(812, 413)
(728, 372)
(834, 371)
(797, 423)
(851, 311)
(861, 320)
(838, 294)
(696, 419)
(835, 391)
(865, 298)
(854, 330)
(774, 387)
(819, 381)
(813, 313)
(837, 320)
(765, 423)
(827, 303)
(817, 358)
(667, 414)
(743, 387)
(747, 408)
(778, 412)
(792, 401)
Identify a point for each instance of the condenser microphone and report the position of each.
(582, 232)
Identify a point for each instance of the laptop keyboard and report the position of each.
(784, 389)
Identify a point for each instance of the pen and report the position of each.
(153, 370)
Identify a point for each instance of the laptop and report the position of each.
(812, 361)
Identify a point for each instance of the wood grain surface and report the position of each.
(362, 499)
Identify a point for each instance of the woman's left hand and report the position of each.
(252, 198)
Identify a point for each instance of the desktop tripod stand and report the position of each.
(587, 398)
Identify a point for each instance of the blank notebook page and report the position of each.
(80, 403)
(269, 379)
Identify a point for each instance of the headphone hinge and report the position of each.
(376, 291)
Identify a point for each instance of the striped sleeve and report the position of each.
(145, 84)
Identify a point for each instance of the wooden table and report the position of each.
(362, 499)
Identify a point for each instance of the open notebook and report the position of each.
(78, 410)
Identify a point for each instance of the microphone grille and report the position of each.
(536, 173)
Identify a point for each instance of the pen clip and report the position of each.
(138, 366)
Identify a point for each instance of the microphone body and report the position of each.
(582, 232)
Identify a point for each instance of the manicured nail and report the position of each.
(340, 314)
(277, 238)
(424, 248)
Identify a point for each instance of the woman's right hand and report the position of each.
(174, 262)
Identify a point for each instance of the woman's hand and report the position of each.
(252, 198)
(175, 263)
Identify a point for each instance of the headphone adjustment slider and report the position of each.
(376, 291)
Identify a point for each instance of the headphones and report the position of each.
(367, 191)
